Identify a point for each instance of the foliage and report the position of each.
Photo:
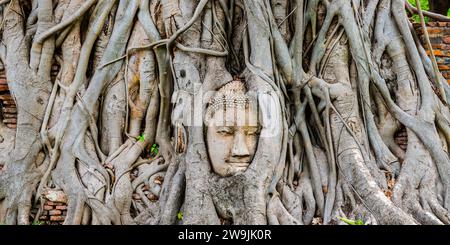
(154, 149)
(180, 215)
(141, 137)
(38, 223)
(424, 5)
(352, 222)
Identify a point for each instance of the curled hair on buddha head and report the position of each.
(231, 95)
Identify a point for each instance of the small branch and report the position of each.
(198, 11)
(129, 51)
(80, 12)
(201, 50)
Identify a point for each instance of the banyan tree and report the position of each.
(245, 111)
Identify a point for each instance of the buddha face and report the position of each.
(232, 133)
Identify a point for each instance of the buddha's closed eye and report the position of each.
(225, 131)
(252, 130)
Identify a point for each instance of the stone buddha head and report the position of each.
(232, 129)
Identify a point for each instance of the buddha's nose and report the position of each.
(240, 148)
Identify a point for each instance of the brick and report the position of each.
(441, 46)
(9, 102)
(434, 30)
(9, 115)
(61, 207)
(57, 218)
(10, 110)
(4, 87)
(446, 39)
(437, 38)
(11, 126)
(5, 97)
(11, 106)
(444, 67)
(47, 207)
(55, 212)
(10, 120)
(436, 52)
(433, 39)
(43, 217)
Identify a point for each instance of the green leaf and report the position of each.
(37, 223)
(351, 222)
(180, 215)
(154, 149)
(424, 5)
(141, 137)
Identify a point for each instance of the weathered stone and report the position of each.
(55, 195)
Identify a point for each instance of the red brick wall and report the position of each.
(53, 213)
(54, 210)
(8, 108)
(439, 33)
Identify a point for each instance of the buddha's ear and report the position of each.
(253, 109)
(269, 115)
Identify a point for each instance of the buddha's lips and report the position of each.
(239, 164)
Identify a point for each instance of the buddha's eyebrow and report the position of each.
(225, 122)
